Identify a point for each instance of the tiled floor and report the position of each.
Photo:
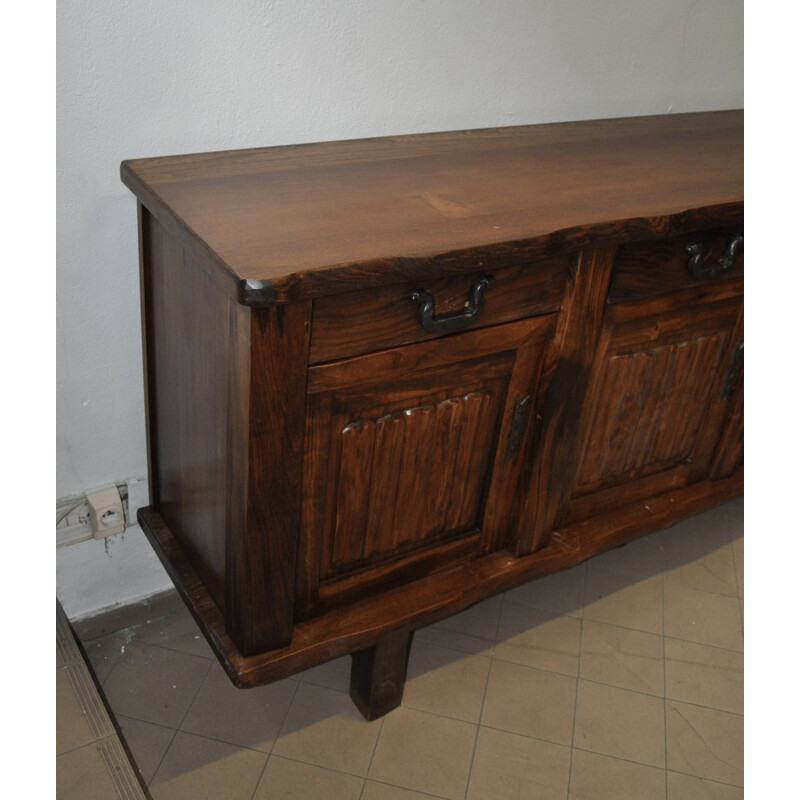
(91, 761)
(620, 678)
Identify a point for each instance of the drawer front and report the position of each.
(645, 269)
(369, 320)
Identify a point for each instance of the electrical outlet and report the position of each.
(106, 512)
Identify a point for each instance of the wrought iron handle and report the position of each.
(456, 320)
(702, 271)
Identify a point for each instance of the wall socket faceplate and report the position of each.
(106, 512)
(74, 521)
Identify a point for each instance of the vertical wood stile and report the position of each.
(554, 460)
(264, 549)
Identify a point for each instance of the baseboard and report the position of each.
(119, 617)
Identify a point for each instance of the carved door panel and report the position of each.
(411, 458)
(656, 403)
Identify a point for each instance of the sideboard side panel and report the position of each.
(186, 322)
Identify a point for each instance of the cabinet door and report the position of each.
(412, 458)
(657, 402)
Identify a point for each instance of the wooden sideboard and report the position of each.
(389, 378)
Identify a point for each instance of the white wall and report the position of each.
(143, 78)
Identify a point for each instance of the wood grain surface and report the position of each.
(277, 224)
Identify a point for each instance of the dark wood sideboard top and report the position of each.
(279, 224)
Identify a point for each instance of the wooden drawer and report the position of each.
(644, 269)
(374, 319)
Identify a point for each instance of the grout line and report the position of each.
(285, 716)
(211, 658)
(307, 763)
(704, 778)
(216, 739)
(277, 734)
(480, 721)
(178, 728)
(492, 656)
(705, 644)
(521, 735)
(374, 750)
(626, 760)
(489, 644)
(419, 792)
(739, 579)
(675, 638)
(437, 714)
(572, 748)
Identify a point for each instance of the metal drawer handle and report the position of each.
(713, 270)
(454, 321)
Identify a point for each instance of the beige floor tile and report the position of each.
(531, 702)
(701, 533)
(622, 657)
(155, 685)
(455, 640)
(705, 676)
(147, 742)
(333, 674)
(641, 557)
(620, 599)
(561, 593)
(596, 777)
(177, 631)
(195, 767)
(244, 717)
(738, 560)
(83, 774)
(620, 723)
(539, 638)
(687, 787)
(324, 728)
(103, 654)
(478, 621)
(714, 571)
(508, 767)
(728, 517)
(290, 780)
(424, 753)
(373, 790)
(705, 742)
(446, 682)
(702, 617)
(73, 728)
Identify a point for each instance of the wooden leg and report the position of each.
(378, 675)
